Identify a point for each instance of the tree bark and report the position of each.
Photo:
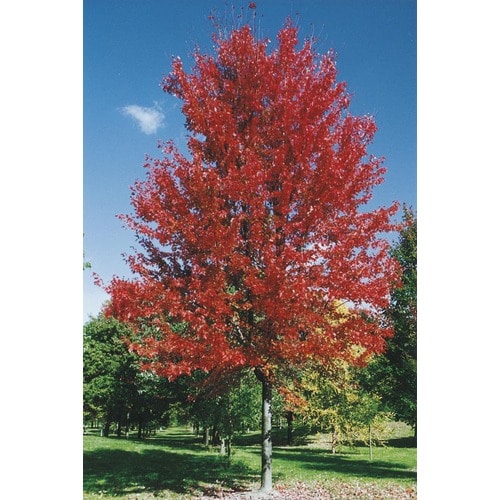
(266, 471)
(206, 436)
(106, 429)
(371, 448)
(289, 421)
(334, 441)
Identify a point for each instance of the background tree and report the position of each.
(393, 374)
(250, 239)
(109, 372)
(114, 388)
(154, 403)
(338, 405)
(225, 410)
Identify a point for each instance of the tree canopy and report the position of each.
(253, 240)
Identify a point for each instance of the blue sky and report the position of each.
(128, 46)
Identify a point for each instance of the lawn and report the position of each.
(174, 464)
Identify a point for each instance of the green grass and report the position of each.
(176, 464)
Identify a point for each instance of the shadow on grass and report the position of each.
(181, 440)
(179, 463)
(300, 437)
(404, 442)
(353, 466)
(120, 472)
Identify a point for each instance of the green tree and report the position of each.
(231, 407)
(109, 372)
(115, 389)
(154, 402)
(393, 374)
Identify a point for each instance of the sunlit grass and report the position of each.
(176, 464)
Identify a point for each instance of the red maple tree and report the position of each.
(253, 242)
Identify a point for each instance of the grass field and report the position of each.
(174, 464)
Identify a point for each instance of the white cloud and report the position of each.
(149, 119)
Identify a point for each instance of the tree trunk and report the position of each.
(127, 425)
(289, 421)
(106, 429)
(266, 471)
(334, 441)
(206, 436)
(371, 448)
(215, 436)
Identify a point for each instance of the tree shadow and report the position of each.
(320, 461)
(404, 442)
(119, 472)
(300, 437)
(178, 462)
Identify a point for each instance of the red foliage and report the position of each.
(253, 241)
